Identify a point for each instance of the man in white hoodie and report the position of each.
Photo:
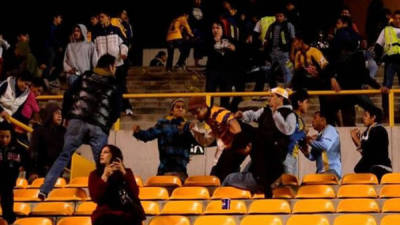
(80, 55)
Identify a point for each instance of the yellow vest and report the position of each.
(117, 22)
(265, 22)
(392, 42)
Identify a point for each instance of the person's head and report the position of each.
(57, 19)
(94, 20)
(23, 36)
(51, 115)
(343, 21)
(290, 6)
(279, 97)
(217, 29)
(37, 86)
(124, 15)
(197, 3)
(162, 55)
(227, 5)
(178, 108)
(104, 18)
(197, 106)
(396, 18)
(280, 16)
(319, 121)
(107, 62)
(372, 115)
(345, 12)
(299, 100)
(6, 133)
(24, 81)
(109, 154)
(77, 34)
(388, 13)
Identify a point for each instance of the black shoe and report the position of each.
(42, 196)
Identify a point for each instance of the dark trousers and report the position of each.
(7, 201)
(229, 162)
(183, 49)
(222, 80)
(53, 64)
(120, 75)
(391, 69)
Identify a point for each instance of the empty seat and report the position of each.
(139, 181)
(283, 192)
(315, 191)
(391, 178)
(190, 193)
(203, 181)
(81, 220)
(236, 207)
(258, 196)
(153, 193)
(53, 208)
(307, 220)
(288, 179)
(261, 220)
(391, 205)
(391, 220)
(150, 207)
(182, 208)
(215, 220)
(355, 219)
(20, 208)
(314, 206)
(170, 220)
(357, 191)
(390, 191)
(164, 181)
(358, 205)
(85, 209)
(79, 182)
(320, 179)
(34, 221)
(21, 183)
(231, 192)
(67, 194)
(360, 178)
(269, 206)
(39, 181)
(26, 195)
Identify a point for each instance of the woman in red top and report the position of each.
(105, 185)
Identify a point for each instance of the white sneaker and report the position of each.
(128, 112)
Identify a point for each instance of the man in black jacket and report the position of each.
(91, 106)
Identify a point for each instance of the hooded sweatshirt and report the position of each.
(80, 55)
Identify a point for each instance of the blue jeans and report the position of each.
(71, 78)
(290, 164)
(78, 133)
(282, 59)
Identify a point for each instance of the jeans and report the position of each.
(242, 180)
(78, 133)
(372, 67)
(71, 78)
(282, 59)
(183, 49)
(390, 70)
(290, 164)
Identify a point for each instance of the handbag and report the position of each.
(129, 202)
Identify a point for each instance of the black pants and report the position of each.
(120, 75)
(229, 162)
(183, 49)
(7, 201)
(222, 80)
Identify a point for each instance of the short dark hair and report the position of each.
(105, 61)
(38, 82)
(397, 12)
(346, 19)
(161, 53)
(6, 126)
(320, 114)
(25, 76)
(56, 14)
(106, 12)
(375, 111)
(299, 95)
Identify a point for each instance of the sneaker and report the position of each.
(129, 112)
(42, 196)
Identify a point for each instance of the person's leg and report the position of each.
(120, 76)
(97, 139)
(229, 162)
(211, 82)
(372, 67)
(7, 203)
(170, 58)
(290, 164)
(225, 83)
(378, 171)
(74, 136)
(51, 58)
(348, 111)
(239, 84)
(184, 50)
(286, 67)
(387, 82)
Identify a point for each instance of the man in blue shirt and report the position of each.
(325, 147)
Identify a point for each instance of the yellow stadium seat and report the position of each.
(356, 191)
(78, 182)
(391, 178)
(85, 209)
(315, 191)
(314, 206)
(21, 183)
(261, 220)
(236, 207)
(81, 220)
(308, 220)
(360, 178)
(258, 196)
(231, 192)
(53, 208)
(26, 195)
(283, 192)
(34, 221)
(164, 181)
(151, 207)
(391, 205)
(390, 191)
(39, 181)
(391, 220)
(203, 181)
(20, 208)
(358, 205)
(215, 220)
(190, 193)
(269, 206)
(182, 208)
(288, 179)
(320, 179)
(355, 219)
(139, 181)
(170, 220)
(153, 193)
(67, 194)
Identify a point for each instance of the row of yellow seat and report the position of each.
(48, 221)
(58, 194)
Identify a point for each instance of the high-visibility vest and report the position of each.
(265, 22)
(392, 42)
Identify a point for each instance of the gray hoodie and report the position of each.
(80, 55)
